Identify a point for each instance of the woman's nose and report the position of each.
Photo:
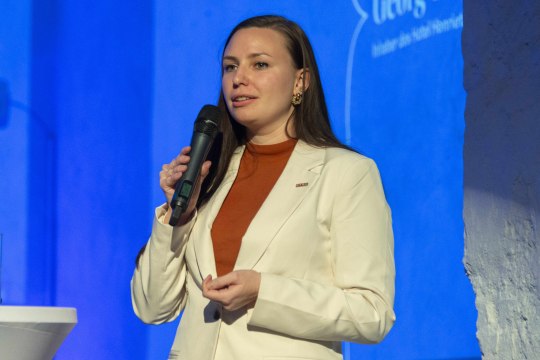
(240, 77)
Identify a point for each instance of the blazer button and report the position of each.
(217, 315)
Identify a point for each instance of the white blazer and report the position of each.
(323, 244)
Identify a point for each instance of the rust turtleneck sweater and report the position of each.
(260, 167)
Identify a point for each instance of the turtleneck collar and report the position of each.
(272, 149)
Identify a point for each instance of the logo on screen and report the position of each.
(383, 10)
(386, 40)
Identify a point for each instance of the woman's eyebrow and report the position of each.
(254, 55)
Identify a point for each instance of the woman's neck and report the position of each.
(276, 136)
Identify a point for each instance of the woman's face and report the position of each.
(258, 82)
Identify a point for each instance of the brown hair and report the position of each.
(311, 121)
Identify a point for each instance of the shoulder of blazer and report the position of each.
(335, 158)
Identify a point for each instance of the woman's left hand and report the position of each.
(233, 290)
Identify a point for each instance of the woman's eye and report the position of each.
(261, 65)
(229, 67)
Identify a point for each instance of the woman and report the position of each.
(288, 250)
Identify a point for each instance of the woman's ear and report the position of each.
(302, 80)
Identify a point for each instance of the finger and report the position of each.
(222, 282)
(223, 295)
(180, 160)
(178, 169)
(183, 157)
(172, 179)
(207, 292)
(206, 281)
(214, 295)
(205, 169)
(166, 175)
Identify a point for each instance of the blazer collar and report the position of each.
(298, 177)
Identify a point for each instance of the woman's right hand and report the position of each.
(170, 174)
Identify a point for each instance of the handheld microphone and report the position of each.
(204, 132)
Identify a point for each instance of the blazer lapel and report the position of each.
(204, 250)
(298, 177)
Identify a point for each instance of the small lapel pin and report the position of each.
(301, 184)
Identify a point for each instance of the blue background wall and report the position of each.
(14, 138)
(114, 88)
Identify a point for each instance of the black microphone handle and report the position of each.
(200, 146)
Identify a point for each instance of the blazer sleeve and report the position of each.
(358, 306)
(158, 291)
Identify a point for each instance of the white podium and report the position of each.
(33, 333)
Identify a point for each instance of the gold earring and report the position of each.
(296, 99)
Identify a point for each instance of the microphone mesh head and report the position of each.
(208, 120)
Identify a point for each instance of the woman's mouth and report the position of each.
(242, 100)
